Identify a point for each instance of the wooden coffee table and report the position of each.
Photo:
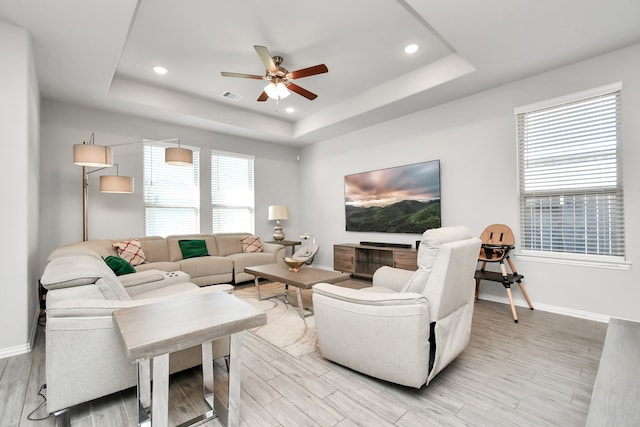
(305, 278)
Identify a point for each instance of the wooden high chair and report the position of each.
(497, 242)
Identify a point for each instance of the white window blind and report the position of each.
(571, 189)
(232, 196)
(171, 194)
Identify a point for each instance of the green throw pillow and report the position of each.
(193, 248)
(119, 265)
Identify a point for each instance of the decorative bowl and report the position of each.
(294, 264)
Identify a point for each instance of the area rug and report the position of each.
(285, 328)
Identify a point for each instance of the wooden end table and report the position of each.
(291, 243)
(305, 278)
(150, 332)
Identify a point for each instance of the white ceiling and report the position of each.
(101, 53)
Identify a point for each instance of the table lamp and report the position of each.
(277, 213)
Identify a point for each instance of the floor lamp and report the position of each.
(92, 155)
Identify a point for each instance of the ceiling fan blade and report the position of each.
(266, 58)
(263, 97)
(311, 71)
(245, 76)
(301, 91)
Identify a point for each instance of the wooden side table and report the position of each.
(291, 243)
(150, 332)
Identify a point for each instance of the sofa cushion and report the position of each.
(131, 251)
(206, 266)
(173, 289)
(173, 244)
(155, 248)
(119, 265)
(229, 243)
(160, 265)
(251, 244)
(67, 272)
(95, 248)
(193, 248)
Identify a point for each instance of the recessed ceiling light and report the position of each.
(160, 70)
(290, 110)
(412, 48)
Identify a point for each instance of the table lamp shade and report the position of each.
(278, 212)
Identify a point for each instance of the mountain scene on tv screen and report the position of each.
(407, 216)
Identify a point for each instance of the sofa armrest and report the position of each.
(81, 307)
(384, 326)
(151, 280)
(357, 296)
(392, 278)
(272, 248)
(141, 277)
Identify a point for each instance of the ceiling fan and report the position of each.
(279, 77)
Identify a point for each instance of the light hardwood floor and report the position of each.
(539, 372)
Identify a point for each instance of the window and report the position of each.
(171, 194)
(571, 197)
(232, 195)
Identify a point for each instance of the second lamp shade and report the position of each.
(116, 184)
(178, 156)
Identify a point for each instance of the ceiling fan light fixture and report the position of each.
(276, 90)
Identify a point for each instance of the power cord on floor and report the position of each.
(42, 319)
(29, 417)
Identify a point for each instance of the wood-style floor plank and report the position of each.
(540, 371)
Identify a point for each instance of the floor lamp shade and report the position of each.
(178, 156)
(92, 155)
(116, 184)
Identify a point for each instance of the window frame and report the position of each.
(250, 180)
(195, 206)
(570, 258)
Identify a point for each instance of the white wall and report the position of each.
(473, 137)
(19, 133)
(475, 140)
(122, 215)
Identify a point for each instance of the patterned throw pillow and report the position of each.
(251, 244)
(131, 250)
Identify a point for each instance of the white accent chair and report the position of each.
(408, 326)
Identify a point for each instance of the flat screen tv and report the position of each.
(403, 199)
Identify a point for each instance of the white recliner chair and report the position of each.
(408, 326)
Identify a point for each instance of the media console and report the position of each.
(386, 245)
(363, 260)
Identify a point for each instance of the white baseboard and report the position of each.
(22, 348)
(549, 308)
(15, 351)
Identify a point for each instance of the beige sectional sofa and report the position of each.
(84, 356)
(225, 263)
